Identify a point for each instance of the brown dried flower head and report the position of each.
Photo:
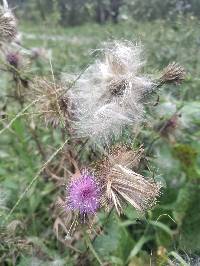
(51, 101)
(8, 25)
(122, 184)
(173, 73)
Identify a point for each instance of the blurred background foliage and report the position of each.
(75, 12)
(167, 235)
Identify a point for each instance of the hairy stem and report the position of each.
(90, 247)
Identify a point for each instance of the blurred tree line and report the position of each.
(74, 12)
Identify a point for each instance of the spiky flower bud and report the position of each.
(52, 102)
(13, 58)
(8, 25)
(173, 73)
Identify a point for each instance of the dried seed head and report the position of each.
(111, 93)
(107, 96)
(52, 102)
(8, 25)
(173, 73)
(119, 154)
(123, 185)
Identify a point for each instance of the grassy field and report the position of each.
(167, 234)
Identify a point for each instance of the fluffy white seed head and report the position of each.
(107, 97)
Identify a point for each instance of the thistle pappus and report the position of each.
(107, 97)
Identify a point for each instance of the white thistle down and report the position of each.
(107, 97)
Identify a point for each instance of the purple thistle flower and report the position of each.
(83, 194)
(13, 59)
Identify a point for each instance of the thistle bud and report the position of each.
(173, 73)
(13, 59)
(52, 102)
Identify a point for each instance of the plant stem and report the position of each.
(90, 246)
(37, 142)
(96, 235)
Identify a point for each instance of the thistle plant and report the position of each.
(109, 97)
(114, 183)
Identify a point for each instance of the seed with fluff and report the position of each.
(83, 194)
(107, 96)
